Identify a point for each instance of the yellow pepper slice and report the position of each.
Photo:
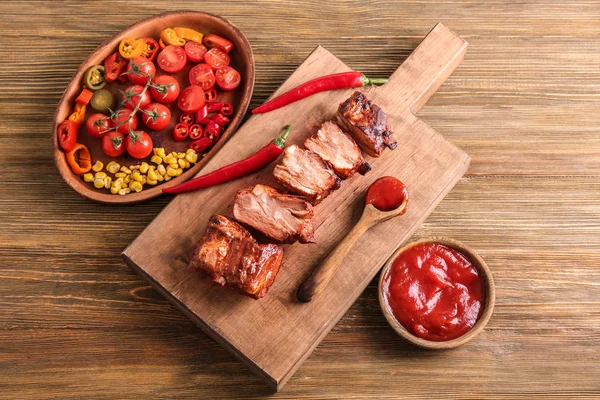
(168, 36)
(189, 34)
(130, 48)
(78, 115)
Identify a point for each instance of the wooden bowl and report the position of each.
(489, 289)
(242, 59)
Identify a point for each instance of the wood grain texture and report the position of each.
(76, 322)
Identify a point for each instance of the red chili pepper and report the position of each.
(180, 132)
(214, 106)
(226, 109)
(187, 118)
(210, 95)
(200, 145)
(255, 162)
(195, 132)
(202, 113)
(342, 80)
(220, 119)
(84, 97)
(212, 130)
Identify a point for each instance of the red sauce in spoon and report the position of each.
(434, 292)
(386, 193)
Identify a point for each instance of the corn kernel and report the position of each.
(180, 155)
(169, 159)
(181, 163)
(151, 182)
(156, 159)
(125, 169)
(98, 166)
(98, 183)
(115, 189)
(187, 164)
(113, 167)
(120, 174)
(144, 167)
(174, 165)
(188, 151)
(173, 153)
(159, 151)
(118, 182)
(124, 191)
(136, 176)
(134, 167)
(192, 157)
(144, 180)
(161, 170)
(136, 186)
(89, 177)
(167, 178)
(160, 178)
(100, 175)
(107, 182)
(179, 171)
(127, 179)
(171, 171)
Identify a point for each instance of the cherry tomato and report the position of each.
(180, 132)
(123, 122)
(165, 89)
(139, 144)
(156, 116)
(114, 65)
(191, 99)
(195, 131)
(113, 144)
(98, 125)
(187, 118)
(131, 97)
(212, 40)
(67, 135)
(142, 70)
(200, 145)
(195, 51)
(202, 75)
(228, 78)
(172, 59)
(151, 48)
(216, 58)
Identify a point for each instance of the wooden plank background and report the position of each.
(75, 322)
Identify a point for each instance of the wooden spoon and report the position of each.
(319, 278)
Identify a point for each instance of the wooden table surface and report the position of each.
(75, 322)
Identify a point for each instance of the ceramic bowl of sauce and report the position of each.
(437, 293)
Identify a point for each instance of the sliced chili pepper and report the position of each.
(187, 118)
(200, 145)
(150, 48)
(84, 97)
(67, 134)
(180, 132)
(169, 36)
(212, 130)
(220, 119)
(78, 115)
(202, 113)
(79, 159)
(114, 65)
(255, 162)
(212, 40)
(226, 109)
(131, 48)
(189, 34)
(329, 82)
(210, 95)
(94, 77)
(196, 131)
(161, 44)
(214, 106)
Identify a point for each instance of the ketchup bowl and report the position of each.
(486, 290)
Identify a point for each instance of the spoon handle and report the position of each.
(324, 272)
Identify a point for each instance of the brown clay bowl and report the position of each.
(242, 59)
(488, 284)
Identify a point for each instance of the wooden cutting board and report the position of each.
(274, 335)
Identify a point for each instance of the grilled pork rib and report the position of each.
(305, 173)
(283, 217)
(338, 150)
(367, 123)
(230, 255)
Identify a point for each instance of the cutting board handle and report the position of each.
(424, 71)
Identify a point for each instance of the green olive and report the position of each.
(103, 100)
(94, 77)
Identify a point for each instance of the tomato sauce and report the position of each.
(434, 292)
(386, 193)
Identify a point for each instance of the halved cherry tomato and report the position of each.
(67, 134)
(216, 58)
(131, 48)
(187, 118)
(181, 132)
(220, 119)
(212, 40)
(191, 99)
(78, 115)
(195, 131)
(210, 95)
(202, 113)
(200, 145)
(98, 125)
(156, 116)
(84, 97)
(114, 65)
(164, 89)
(79, 159)
(138, 144)
(151, 48)
(226, 109)
(228, 78)
(123, 121)
(113, 144)
(195, 51)
(202, 75)
(212, 130)
(172, 59)
(132, 96)
(141, 69)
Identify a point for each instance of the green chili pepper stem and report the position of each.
(280, 141)
(373, 81)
